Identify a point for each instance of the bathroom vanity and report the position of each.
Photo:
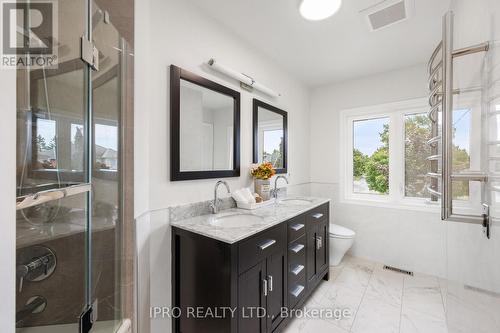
(235, 271)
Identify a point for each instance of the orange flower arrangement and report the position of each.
(263, 171)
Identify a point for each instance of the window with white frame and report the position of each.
(370, 156)
(384, 153)
(417, 131)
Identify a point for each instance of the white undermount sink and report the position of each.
(236, 220)
(295, 201)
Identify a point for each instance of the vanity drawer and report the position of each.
(318, 214)
(257, 248)
(296, 227)
(296, 269)
(296, 290)
(297, 252)
(296, 272)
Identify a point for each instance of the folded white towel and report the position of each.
(243, 195)
(238, 196)
(248, 195)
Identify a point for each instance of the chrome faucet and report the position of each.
(214, 205)
(275, 190)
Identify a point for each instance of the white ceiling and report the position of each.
(336, 49)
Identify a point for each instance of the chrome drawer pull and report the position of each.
(319, 243)
(264, 286)
(297, 291)
(270, 279)
(297, 248)
(297, 227)
(317, 215)
(267, 244)
(297, 269)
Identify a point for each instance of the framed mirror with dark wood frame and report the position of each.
(270, 135)
(204, 127)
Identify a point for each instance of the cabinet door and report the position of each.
(322, 241)
(311, 252)
(276, 281)
(252, 300)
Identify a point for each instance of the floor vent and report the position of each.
(398, 270)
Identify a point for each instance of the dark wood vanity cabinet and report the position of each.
(251, 296)
(263, 285)
(255, 277)
(277, 289)
(318, 242)
(296, 260)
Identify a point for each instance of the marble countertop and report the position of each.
(207, 225)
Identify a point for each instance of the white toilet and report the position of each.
(341, 240)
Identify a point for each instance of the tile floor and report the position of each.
(383, 301)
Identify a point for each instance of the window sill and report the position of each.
(420, 206)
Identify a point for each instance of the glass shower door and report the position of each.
(52, 185)
(472, 288)
(110, 271)
(74, 259)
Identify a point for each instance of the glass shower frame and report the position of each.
(82, 186)
(471, 290)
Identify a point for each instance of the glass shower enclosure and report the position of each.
(74, 240)
(464, 85)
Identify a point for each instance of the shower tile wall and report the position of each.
(65, 289)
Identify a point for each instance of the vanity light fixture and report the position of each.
(316, 10)
(246, 81)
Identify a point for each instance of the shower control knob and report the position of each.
(21, 272)
(38, 263)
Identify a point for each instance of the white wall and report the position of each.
(328, 101)
(142, 107)
(7, 201)
(182, 35)
(175, 32)
(413, 240)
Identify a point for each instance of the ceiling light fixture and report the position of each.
(316, 10)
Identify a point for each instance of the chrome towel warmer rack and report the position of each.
(440, 68)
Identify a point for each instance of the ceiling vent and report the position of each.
(387, 13)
